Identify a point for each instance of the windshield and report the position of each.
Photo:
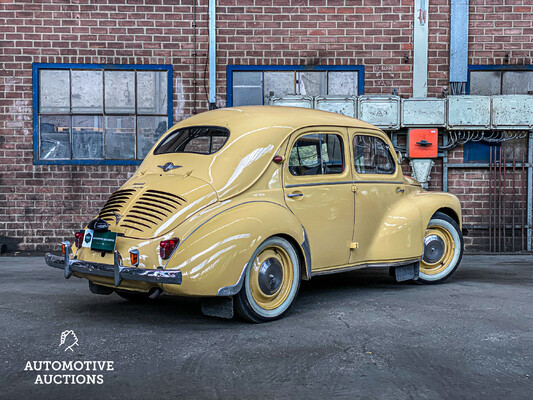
(194, 139)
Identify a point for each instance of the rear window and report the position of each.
(195, 139)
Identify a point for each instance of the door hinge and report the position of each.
(354, 188)
(354, 245)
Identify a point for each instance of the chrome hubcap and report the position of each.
(270, 276)
(434, 248)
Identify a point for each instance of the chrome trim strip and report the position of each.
(116, 271)
(340, 183)
(233, 289)
(366, 265)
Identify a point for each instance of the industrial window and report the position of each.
(317, 154)
(501, 80)
(372, 155)
(99, 114)
(255, 85)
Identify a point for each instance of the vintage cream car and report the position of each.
(238, 205)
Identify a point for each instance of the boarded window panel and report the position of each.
(149, 129)
(312, 83)
(152, 92)
(87, 137)
(54, 132)
(247, 88)
(120, 92)
(517, 82)
(485, 83)
(54, 91)
(278, 84)
(119, 137)
(87, 92)
(342, 83)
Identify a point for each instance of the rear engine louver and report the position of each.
(115, 204)
(151, 209)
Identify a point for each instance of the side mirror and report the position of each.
(399, 157)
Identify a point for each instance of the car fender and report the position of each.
(213, 257)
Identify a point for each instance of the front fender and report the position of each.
(430, 202)
(215, 254)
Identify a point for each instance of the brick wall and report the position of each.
(40, 205)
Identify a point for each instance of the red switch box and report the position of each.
(423, 143)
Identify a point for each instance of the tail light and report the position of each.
(134, 257)
(78, 238)
(166, 247)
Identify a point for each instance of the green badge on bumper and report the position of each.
(104, 241)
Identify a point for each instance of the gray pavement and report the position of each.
(358, 335)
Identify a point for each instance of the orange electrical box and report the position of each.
(423, 143)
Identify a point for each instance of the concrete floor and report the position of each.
(356, 335)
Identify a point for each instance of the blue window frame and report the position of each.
(253, 86)
(99, 114)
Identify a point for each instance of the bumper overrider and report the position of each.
(116, 271)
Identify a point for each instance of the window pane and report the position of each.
(152, 92)
(485, 82)
(200, 140)
(372, 156)
(87, 90)
(312, 83)
(87, 137)
(54, 91)
(278, 84)
(120, 92)
(120, 138)
(55, 137)
(517, 82)
(342, 83)
(247, 88)
(316, 154)
(149, 129)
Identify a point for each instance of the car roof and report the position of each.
(243, 120)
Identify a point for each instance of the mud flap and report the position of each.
(406, 272)
(221, 307)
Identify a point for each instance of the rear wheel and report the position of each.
(271, 283)
(443, 249)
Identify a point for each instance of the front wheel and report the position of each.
(272, 280)
(443, 249)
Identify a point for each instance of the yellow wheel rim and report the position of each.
(439, 250)
(271, 277)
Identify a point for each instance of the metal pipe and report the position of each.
(530, 191)
(420, 49)
(494, 230)
(504, 197)
(500, 204)
(523, 202)
(212, 54)
(513, 198)
(490, 200)
(194, 55)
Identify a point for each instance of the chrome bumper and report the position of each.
(116, 271)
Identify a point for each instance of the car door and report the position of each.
(318, 190)
(380, 232)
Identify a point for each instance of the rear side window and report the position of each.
(317, 154)
(372, 156)
(195, 139)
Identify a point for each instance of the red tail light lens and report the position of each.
(166, 247)
(79, 238)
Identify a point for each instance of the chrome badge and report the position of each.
(169, 166)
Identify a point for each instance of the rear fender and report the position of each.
(213, 257)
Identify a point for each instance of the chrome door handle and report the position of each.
(400, 190)
(291, 195)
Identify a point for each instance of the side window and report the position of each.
(372, 156)
(317, 154)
